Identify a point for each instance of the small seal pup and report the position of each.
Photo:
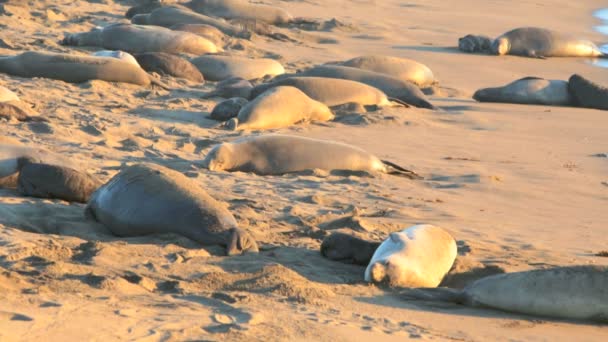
(404, 69)
(331, 91)
(218, 68)
(475, 43)
(348, 249)
(528, 90)
(572, 292)
(276, 154)
(280, 107)
(418, 256)
(228, 109)
(125, 56)
(167, 64)
(588, 94)
(241, 9)
(394, 88)
(146, 199)
(53, 181)
(140, 38)
(11, 154)
(539, 42)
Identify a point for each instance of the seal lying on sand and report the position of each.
(241, 9)
(280, 107)
(218, 68)
(140, 38)
(574, 292)
(167, 64)
(528, 90)
(11, 154)
(330, 91)
(231, 87)
(206, 31)
(588, 94)
(228, 109)
(280, 154)
(394, 88)
(475, 43)
(539, 42)
(419, 256)
(146, 199)
(53, 181)
(125, 56)
(71, 68)
(348, 249)
(402, 68)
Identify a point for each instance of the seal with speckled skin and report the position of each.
(475, 43)
(141, 38)
(528, 90)
(150, 199)
(404, 69)
(539, 42)
(167, 64)
(572, 292)
(218, 68)
(280, 107)
(418, 256)
(276, 154)
(587, 93)
(54, 181)
(348, 249)
(241, 9)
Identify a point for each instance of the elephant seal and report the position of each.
(588, 94)
(404, 69)
(348, 249)
(394, 88)
(241, 9)
(280, 107)
(173, 15)
(12, 153)
(528, 90)
(146, 199)
(167, 64)
(218, 68)
(572, 292)
(475, 43)
(146, 7)
(539, 42)
(53, 181)
(418, 256)
(228, 109)
(331, 91)
(125, 56)
(276, 154)
(141, 38)
(71, 68)
(206, 31)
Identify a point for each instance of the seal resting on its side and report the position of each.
(348, 249)
(167, 64)
(206, 31)
(241, 9)
(588, 94)
(475, 43)
(146, 199)
(573, 292)
(528, 90)
(404, 69)
(218, 68)
(419, 256)
(125, 56)
(279, 154)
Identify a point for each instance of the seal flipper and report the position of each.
(404, 104)
(441, 294)
(394, 169)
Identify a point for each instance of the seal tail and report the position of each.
(436, 294)
(394, 169)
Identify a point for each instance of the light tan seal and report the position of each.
(528, 90)
(218, 68)
(402, 68)
(276, 154)
(280, 107)
(241, 9)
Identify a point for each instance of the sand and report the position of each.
(519, 187)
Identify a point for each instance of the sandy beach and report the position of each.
(519, 187)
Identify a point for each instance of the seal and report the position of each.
(167, 64)
(12, 153)
(330, 91)
(348, 249)
(241, 9)
(71, 68)
(142, 8)
(231, 87)
(396, 89)
(53, 181)
(147, 199)
(228, 109)
(528, 90)
(475, 43)
(140, 38)
(125, 56)
(209, 32)
(418, 256)
(276, 154)
(404, 69)
(539, 43)
(280, 107)
(572, 292)
(587, 93)
(218, 68)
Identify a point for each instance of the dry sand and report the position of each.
(520, 187)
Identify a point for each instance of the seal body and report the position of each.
(228, 109)
(241, 9)
(330, 91)
(141, 38)
(394, 88)
(528, 90)
(475, 43)
(206, 31)
(404, 69)
(281, 107)
(540, 42)
(125, 56)
(218, 68)
(419, 256)
(145, 199)
(348, 249)
(167, 64)
(12, 157)
(71, 68)
(587, 93)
